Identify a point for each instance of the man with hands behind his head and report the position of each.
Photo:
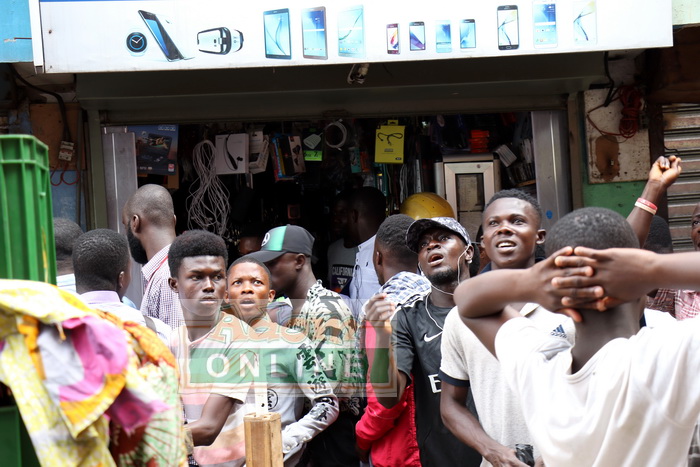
(619, 396)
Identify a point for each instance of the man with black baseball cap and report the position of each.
(326, 320)
(444, 254)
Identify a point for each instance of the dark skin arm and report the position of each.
(663, 173)
(464, 425)
(378, 313)
(612, 268)
(214, 415)
(485, 298)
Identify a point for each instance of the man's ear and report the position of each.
(120, 281)
(470, 253)
(271, 296)
(541, 233)
(299, 261)
(380, 257)
(135, 222)
(172, 282)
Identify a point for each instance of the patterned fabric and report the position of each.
(67, 368)
(405, 288)
(161, 441)
(159, 300)
(682, 304)
(327, 321)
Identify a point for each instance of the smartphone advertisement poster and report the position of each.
(219, 34)
(156, 148)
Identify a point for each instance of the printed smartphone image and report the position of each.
(467, 34)
(443, 37)
(313, 28)
(219, 41)
(278, 41)
(162, 37)
(416, 31)
(392, 38)
(544, 17)
(351, 34)
(585, 31)
(508, 33)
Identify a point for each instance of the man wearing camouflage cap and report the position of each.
(444, 254)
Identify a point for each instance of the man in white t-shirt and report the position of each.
(512, 232)
(619, 396)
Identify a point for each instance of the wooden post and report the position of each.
(263, 440)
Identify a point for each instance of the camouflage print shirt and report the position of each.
(328, 323)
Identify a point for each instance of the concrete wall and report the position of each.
(686, 12)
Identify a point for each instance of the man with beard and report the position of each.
(444, 253)
(149, 219)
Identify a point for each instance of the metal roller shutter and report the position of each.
(682, 138)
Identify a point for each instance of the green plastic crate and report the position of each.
(26, 235)
(15, 445)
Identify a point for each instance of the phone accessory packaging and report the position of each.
(389, 143)
(232, 154)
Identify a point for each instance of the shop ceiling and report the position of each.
(313, 92)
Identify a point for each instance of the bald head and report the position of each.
(149, 219)
(153, 204)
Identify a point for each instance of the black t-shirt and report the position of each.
(418, 334)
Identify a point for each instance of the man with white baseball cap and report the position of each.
(444, 253)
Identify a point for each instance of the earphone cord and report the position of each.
(458, 277)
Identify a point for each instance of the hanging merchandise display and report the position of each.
(389, 143)
(173, 35)
(259, 150)
(156, 148)
(232, 154)
(208, 203)
(313, 144)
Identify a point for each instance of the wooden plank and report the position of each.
(263, 440)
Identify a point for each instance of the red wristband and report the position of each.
(647, 203)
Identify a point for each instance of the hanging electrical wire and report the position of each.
(67, 138)
(209, 206)
(631, 100)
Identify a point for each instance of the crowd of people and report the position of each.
(409, 352)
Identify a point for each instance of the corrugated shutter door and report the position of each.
(682, 138)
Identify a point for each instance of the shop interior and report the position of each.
(308, 163)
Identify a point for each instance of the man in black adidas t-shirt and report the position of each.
(444, 253)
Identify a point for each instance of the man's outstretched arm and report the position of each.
(662, 174)
(464, 425)
(611, 276)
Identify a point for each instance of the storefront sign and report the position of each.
(118, 35)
